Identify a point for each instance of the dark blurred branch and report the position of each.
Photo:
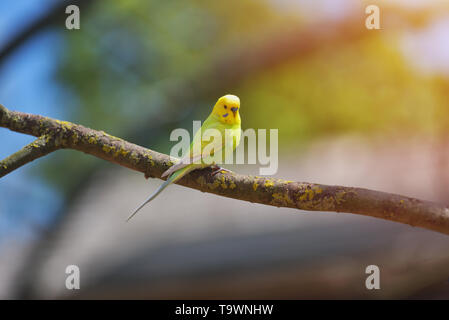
(38, 148)
(268, 191)
(55, 15)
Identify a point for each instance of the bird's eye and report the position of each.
(225, 107)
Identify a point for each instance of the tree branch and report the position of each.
(38, 148)
(263, 190)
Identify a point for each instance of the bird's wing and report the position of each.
(192, 158)
(184, 162)
(194, 155)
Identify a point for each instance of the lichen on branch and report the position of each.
(55, 134)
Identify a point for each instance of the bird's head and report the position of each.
(227, 109)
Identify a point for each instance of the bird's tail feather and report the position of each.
(172, 179)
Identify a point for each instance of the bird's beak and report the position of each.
(234, 110)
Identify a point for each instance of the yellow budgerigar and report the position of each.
(225, 118)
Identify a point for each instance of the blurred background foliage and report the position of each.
(129, 54)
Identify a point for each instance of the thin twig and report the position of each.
(38, 148)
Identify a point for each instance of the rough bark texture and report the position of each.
(54, 134)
